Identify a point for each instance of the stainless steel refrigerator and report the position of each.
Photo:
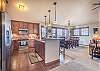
(6, 41)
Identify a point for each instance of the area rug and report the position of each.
(72, 66)
(34, 57)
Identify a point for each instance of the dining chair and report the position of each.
(96, 50)
(62, 46)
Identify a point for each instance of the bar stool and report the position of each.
(62, 46)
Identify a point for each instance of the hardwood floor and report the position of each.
(20, 62)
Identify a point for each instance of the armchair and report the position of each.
(96, 49)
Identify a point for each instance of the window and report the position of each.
(54, 32)
(64, 32)
(85, 31)
(43, 32)
(59, 32)
(82, 31)
(76, 32)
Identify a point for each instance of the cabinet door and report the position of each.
(20, 25)
(36, 28)
(15, 45)
(31, 28)
(15, 27)
(31, 43)
(25, 25)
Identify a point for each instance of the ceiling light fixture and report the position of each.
(21, 5)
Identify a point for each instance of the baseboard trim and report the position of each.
(52, 64)
(83, 45)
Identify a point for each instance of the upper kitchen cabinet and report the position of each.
(20, 25)
(23, 25)
(36, 28)
(31, 28)
(15, 27)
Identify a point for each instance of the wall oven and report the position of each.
(23, 43)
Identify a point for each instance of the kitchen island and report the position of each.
(48, 49)
(51, 50)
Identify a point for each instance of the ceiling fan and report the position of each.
(97, 5)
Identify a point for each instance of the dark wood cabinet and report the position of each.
(40, 48)
(15, 44)
(20, 25)
(36, 28)
(31, 28)
(15, 27)
(31, 43)
(25, 25)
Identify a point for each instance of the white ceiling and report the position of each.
(78, 11)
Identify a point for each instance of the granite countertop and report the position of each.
(40, 40)
(52, 38)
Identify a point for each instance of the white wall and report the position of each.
(78, 11)
(99, 20)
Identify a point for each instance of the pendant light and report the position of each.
(49, 27)
(55, 21)
(49, 24)
(45, 17)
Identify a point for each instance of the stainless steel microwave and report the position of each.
(23, 31)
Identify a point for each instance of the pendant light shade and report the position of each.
(49, 24)
(45, 17)
(55, 21)
(55, 9)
